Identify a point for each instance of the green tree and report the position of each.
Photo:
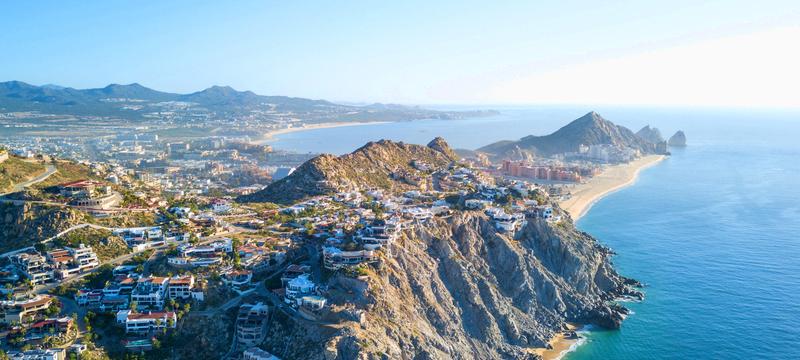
(237, 261)
(53, 309)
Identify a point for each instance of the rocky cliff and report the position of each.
(678, 140)
(590, 129)
(649, 134)
(24, 225)
(382, 164)
(458, 289)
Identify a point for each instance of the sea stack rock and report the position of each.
(678, 140)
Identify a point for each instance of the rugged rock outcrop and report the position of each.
(450, 288)
(649, 134)
(458, 289)
(678, 140)
(590, 129)
(24, 225)
(382, 164)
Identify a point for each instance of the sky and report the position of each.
(666, 53)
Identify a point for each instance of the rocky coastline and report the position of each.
(459, 289)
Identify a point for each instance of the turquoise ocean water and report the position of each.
(714, 230)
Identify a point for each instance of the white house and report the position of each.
(255, 353)
(298, 287)
(146, 322)
(150, 292)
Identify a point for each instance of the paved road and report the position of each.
(69, 307)
(76, 227)
(49, 170)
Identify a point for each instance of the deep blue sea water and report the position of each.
(714, 230)
(715, 233)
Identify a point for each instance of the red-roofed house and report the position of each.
(79, 188)
(180, 287)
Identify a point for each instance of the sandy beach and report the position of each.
(270, 136)
(611, 179)
(560, 345)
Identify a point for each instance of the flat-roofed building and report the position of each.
(24, 310)
(49, 354)
(180, 287)
(150, 292)
(251, 324)
(140, 323)
(34, 266)
(255, 353)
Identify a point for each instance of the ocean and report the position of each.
(713, 231)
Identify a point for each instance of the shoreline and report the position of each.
(584, 196)
(269, 136)
(612, 179)
(561, 345)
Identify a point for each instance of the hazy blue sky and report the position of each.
(619, 52)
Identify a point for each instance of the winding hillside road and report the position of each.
(76, 227)
(49, 170)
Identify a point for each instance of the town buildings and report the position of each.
(550, 173)
(55, 264)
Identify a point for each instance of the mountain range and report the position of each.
(134, 101)
(20, 96)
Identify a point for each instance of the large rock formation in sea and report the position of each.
(453, 287)
(383, 164)
(678, 140)
(649, 134)
(590, 129)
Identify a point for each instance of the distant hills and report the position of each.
(110, 100)
(134, 101)
(590, 129)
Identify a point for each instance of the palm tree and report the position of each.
(47, 341)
